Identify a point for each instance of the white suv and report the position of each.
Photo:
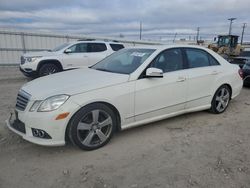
(66, 56)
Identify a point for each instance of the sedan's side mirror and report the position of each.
(67, 51)
(154, 73)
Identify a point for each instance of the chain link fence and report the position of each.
(14, 43)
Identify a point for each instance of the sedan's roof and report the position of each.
(166, 46)
(95, 41)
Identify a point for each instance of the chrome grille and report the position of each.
(22, 60)
(22, 100)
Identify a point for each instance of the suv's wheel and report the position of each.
(92, 126)
(220, 100)
(48, 68)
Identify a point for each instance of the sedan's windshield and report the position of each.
(60, 47)
(124, 61)
(245, 54)
(247, 66)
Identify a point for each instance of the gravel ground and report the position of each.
(193, 150)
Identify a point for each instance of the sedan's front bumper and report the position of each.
(29, 137)
(45, 121)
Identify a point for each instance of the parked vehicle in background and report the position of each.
(246, 73)
(131, 87)
(227, 46)
(66, 56)
(243, 58)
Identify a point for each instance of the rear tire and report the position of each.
(47, 69)
(221, 100)
(92, 126)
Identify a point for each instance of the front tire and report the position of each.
(47, 69)
(221, 100)
(92, 127)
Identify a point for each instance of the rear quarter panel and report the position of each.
(228, 74)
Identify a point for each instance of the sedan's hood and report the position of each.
(72, 82)
(40, 53)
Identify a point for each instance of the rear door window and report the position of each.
(197, 58)
(97, 47)
(78, 48)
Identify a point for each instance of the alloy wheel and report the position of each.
(49, 70)
(94, 128)
(222, 99)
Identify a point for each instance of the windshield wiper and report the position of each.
(102, 69)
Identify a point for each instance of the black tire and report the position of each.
(220, 101)
(47, 69)
(87, 132)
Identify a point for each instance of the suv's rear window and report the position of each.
(96, 47)
(116, 47)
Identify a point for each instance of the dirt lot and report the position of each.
(193, 150)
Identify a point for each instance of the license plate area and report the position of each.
(16, 123)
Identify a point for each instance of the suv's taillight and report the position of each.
(240, 73)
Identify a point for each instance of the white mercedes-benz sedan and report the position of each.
(131, 87)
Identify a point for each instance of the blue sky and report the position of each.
(161, 19)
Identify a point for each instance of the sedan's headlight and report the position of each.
(52, 103)
(32, 59)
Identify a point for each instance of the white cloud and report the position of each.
(112, 17)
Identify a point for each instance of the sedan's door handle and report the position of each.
(181, 79)
(215, 72)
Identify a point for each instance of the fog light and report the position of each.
(35, 132)
(40, 133)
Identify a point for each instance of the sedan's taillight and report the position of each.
(240, 73)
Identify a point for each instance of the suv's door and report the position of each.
(96, 52)
(202, 75)
(156, 97)
(76, 56)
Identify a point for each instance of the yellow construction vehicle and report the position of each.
(227, 46)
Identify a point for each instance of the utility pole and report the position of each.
(230, 26)
(140, 29)
(174, 37)
(242, 34)
(198, 33)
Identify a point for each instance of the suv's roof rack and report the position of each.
(86, 39)
(105, 40)
(108, 40)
